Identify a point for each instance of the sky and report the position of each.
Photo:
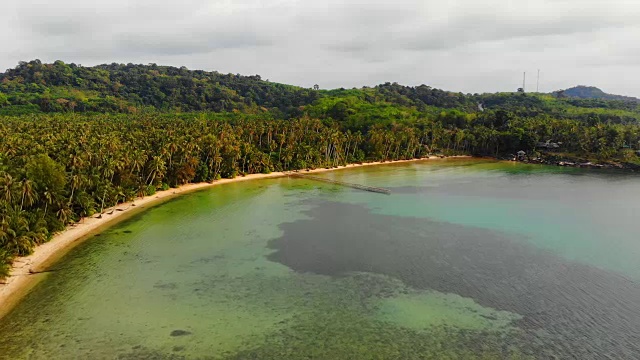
(470, 46)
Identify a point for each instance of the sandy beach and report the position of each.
(27, 271)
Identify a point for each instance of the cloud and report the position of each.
(187, 42)
(435, 29)
(460, 45)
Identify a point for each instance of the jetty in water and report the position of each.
(343, 183)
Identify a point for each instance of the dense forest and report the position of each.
(58, 87)
(76, 141)
(34, 87)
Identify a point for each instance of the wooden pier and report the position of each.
(342, 183)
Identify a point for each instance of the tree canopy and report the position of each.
(34, 87)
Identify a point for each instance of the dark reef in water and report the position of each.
(141, 353)
(573, 309)
(180, 333)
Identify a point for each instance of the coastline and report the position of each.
(27, 271)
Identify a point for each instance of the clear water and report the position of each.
(466, 259)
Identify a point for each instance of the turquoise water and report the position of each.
(466, 259)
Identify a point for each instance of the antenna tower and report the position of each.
(538, 82)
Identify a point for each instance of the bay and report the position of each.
(465, 259)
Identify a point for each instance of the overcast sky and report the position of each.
(459, 45)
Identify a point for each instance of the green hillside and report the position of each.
(34, 87)
(60, 87)
(592, 92)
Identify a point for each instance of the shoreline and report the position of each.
(27, 271)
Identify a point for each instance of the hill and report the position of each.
(35, 87)
(592, 92)
(60, 87)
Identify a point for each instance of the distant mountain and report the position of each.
(592, 92)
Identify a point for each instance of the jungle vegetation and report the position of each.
(76, 141)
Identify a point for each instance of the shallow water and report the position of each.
(466, 259)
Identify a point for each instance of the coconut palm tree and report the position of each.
(29, 194)
(7, 184)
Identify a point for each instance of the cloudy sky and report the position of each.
(460, 45)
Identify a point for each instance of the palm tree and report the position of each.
(157, 169)
(29, 193)
(7, 184)
(64, 214)
(48, 197)
(76, 180)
